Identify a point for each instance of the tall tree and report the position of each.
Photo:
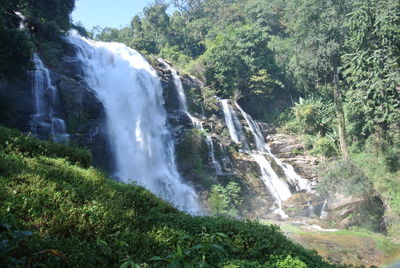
(316, 27)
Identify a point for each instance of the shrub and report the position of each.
(344, 177)
(14, 141)
(97, 222)
(324, 147)
(314, 115)
(225, 200)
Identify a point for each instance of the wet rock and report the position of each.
(303, 204)
(267, 128)
(290, 150)
(344, 211)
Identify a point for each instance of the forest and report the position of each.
(324, 71)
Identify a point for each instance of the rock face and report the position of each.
(84, 113)
(16, 105)
(80, 108)
(290, 150)
(303, 205)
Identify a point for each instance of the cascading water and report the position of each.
(47, 119)
(195, 122)
(229, 120)
(131, 93)
(278, 188)
(262, 147)
(234, 126)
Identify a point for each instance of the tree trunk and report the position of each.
(339, 111)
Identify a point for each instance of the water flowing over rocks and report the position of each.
(206, 151)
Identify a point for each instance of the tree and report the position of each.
(318, 34)
(373, 64)
(43, 21)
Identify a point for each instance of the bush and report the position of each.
(386, 183)
(97, 222)
(324, 147)
(14, 141)
(314, 115)
(225, 200)
(344, 177)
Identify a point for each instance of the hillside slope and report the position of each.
(95, 222)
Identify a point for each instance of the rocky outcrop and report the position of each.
(303, 204)
(80, 108)
(291, 150)
(16, 105)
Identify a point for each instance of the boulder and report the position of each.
(303, 204)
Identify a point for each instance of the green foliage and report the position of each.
(192, 153)
(372, 65)
(44, 22)
(385, 182)
(175, 55)
(240, 61)
(225, 200)
(314, 115)
(205, 98)
(346, 177)
(15, 51)
(12, 141)
(324, 147)
(98, 222)
(343, 176)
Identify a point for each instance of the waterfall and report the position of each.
(229, 120)
(195, 122)
(216, 164)
(234, 126)
(279, 189)
(262, 147)
(142, 143)
(324, 212)
(47, 119)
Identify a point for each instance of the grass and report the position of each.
(93, 221)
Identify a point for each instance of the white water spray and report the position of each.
(131, 93)
(262, 147)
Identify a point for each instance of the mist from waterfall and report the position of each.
(47, 121)
(142, 143)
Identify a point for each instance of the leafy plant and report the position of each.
(225, 200)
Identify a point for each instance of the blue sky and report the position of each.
(112, 13)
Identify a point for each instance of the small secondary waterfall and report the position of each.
(142, 143)
(278, 188)
(47, 119)
(195, 121)
(261, 146)
(229, 120)
(234, 126)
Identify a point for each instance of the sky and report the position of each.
(111, 13)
